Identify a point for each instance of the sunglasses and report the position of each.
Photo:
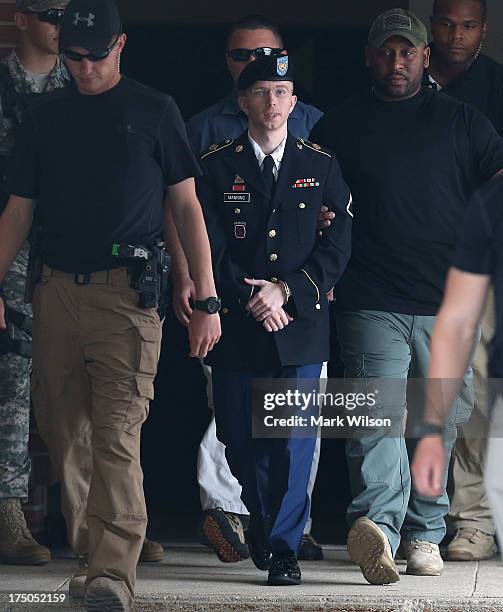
(52, 16)
(243, 55)
(92, 57)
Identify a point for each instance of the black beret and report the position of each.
(266, 68)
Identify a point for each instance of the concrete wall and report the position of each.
(494, 43)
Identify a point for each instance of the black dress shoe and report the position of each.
(284, 571)
(261, 555)
(309, 549)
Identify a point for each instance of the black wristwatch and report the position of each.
(421, 430)
(210, 305)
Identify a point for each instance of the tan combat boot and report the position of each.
(470, 544)
(77, 584)
(17, 546)
(369, 547)
(423, 558)
(151, 552)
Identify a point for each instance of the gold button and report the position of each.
(272, 233)
(225, 310)
(318, 307)
(274, 279)
(302, 205)
(273, 257)
(237, 211)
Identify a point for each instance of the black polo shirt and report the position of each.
(99, 166)
(481, 86)
(480, 251)
(411, 166)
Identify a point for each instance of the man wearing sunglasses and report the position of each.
(249, 38)
(99, 158)
(31, 69)
(34, 67)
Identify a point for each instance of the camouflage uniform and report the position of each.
(14, 369)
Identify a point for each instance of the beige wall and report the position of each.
(494, 42)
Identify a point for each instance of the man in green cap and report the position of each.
(32, 68)
(412, 159)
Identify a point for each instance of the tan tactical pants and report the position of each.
(95, 356)
(470, 506)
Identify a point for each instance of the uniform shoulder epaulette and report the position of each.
(314, 147)
(217, 147)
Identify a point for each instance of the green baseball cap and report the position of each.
(397, 22)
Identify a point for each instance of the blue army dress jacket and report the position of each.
(254, 235)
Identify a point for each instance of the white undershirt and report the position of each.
(40, 80)
(277, 154)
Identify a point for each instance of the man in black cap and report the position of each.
(98, 158)
(412, 158)
(261, 195)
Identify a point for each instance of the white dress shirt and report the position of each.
(277, 154)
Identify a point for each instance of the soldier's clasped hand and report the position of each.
(276, 321)
(268, 300)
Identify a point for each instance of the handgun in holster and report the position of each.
(149, 269)
(8, 342)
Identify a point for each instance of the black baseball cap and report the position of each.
(266, 68)
(90, 24)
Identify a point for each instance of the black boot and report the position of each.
(258, 544)
(284, 570)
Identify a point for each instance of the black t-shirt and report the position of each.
(481, 86)
(411, 166)
(480, 251)
(98, 166)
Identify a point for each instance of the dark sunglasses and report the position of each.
(243, 55)
(52, 16)
(92, 57)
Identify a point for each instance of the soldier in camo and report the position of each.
(34, 68)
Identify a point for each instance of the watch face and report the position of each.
(213, 305)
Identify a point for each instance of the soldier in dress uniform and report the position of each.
(261, 195)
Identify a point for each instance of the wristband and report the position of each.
(421, 430)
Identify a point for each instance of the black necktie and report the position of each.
(269, 180)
